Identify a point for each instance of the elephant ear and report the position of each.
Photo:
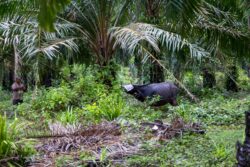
(128, 87)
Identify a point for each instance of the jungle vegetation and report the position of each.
(74, 56)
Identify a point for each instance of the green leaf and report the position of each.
(48, 12)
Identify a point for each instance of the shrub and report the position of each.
(68, 117)
(107, 107)
(55, 99)
(5, 95)
(9, 147)
(111, 106)
(243, 80)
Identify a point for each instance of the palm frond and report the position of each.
(184, 10)
(141, 50)
(221, 30)
(31, 40)
(213, 19)
(136, 34)
(52, 48)
(45, 10)
(11, 7)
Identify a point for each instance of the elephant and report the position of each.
(167, 92)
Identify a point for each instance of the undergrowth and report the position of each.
(81, 99)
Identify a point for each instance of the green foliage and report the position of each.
(192, 150)
(6, 107)
(243, 80)
(5, 95)
(111, 106)
(103, 155)
(108, 107)
(215, 109)
(192, 81)
(85, 82)
(68, 160)
(65, 159)
(48, 12)
(9, 145)
(68, 117)
(55, 99)
(78, 96)
(5, 103)
(142, 112)
(86, 95)
(125, 76)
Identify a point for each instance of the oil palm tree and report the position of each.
(216, 25)
(104, 30)
(46, 14)
(158, 12)
(228, 38)
(32, 45)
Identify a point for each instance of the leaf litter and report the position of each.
(105, 137)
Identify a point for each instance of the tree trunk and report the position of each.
(231, 81)
(248, 71)
(177, 71)
(138, 64)
(209, 80)
(243, 150)
(8, 79)
(156, 73)
(17, 62)
(176, 62)
(248, 66)
(153, 11)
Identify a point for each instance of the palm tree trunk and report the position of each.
(248, 71)
(156, 71)
(242, 155)
(139, 66)
(36, 77)
(209, 80)
(8, 79)
(232, 77)
(177, 71)
(17, 62)
(248, 65)
(249, 23)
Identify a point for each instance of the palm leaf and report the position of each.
(136, 34)
(31, 40)
(45, 10)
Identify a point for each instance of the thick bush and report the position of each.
(55, 99)
(108, 107)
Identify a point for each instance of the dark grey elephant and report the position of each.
(166, 90)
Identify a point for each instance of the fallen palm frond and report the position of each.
(103, 141)
(58, 129)
(168, 131)
(67, 138)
